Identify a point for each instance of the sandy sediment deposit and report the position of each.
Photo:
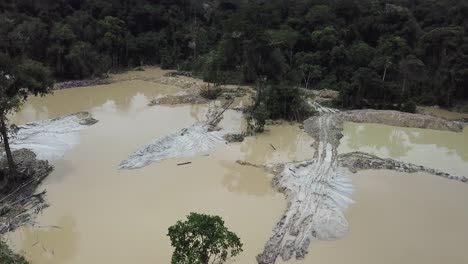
(401, 119)
(319, 190)
(50, 138)
(198, 138)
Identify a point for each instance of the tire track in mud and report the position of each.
(318, 191)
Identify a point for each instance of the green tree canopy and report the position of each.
(255, 42)
(203, 239)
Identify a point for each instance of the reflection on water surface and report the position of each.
(447, 151)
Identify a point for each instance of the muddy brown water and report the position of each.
(447, 151)
(99, 214)
(401, 218)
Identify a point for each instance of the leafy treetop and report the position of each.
(203, 239)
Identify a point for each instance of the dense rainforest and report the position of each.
(381, 54)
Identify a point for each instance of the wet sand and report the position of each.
(401, 218)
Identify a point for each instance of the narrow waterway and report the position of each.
(100, 214)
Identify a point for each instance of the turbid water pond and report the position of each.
(100, 214)
(447, 151)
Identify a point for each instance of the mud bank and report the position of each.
(193, 90)
(184, 83)
(401, 119)
(442, 113)
(81, 83)
(358, 161)
(190, 95)
(19, 204)
(193, 98)
(318, 191)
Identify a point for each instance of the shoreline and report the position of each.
(184, 79)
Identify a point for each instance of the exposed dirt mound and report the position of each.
(357, 161)
(401, 119)
(183, 83)
(18, 201)
(179, 99)
(191, 94)
(81, 83)
(195, 91)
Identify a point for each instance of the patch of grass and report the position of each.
(9, 257)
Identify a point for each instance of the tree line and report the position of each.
(381, 54)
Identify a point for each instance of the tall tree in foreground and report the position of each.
(203, 239)
(18, 79)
